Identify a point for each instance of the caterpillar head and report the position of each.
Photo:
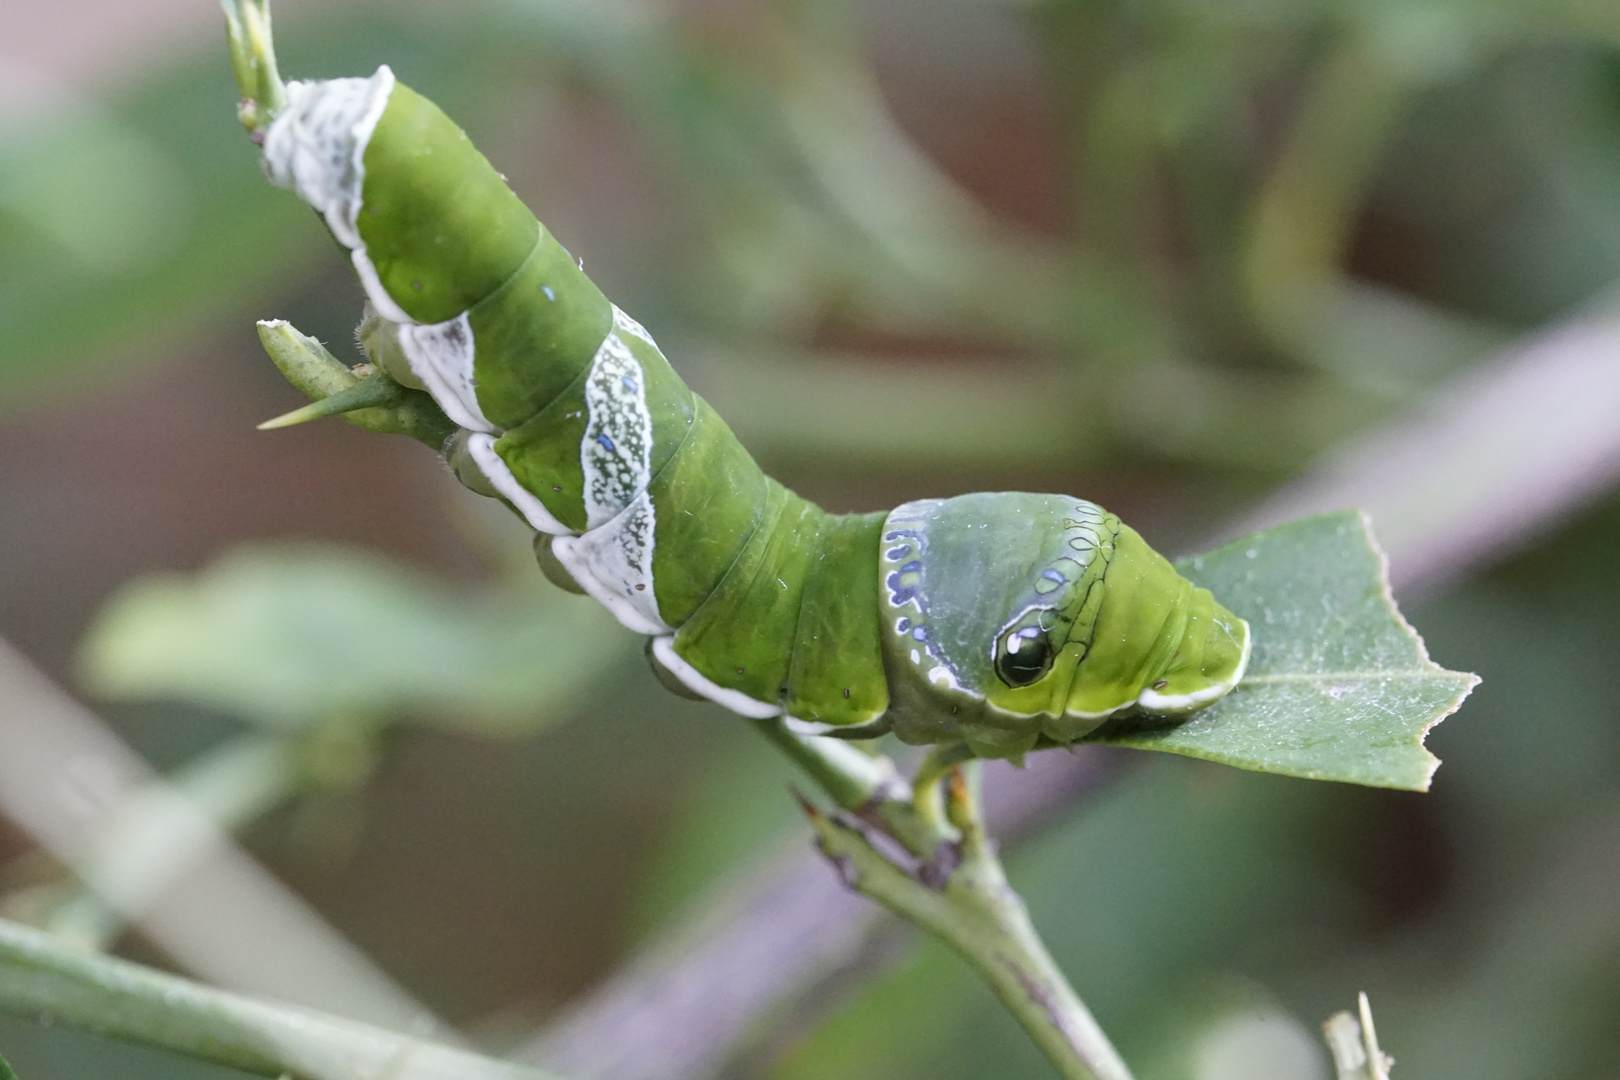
(1008, 617)
(988, 601)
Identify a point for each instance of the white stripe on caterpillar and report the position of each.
(695, 681)
(317, 147)
(613, 563)
(482, 449)
(441, 355)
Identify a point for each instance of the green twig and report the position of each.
(375, 402)
(45, 980)
(975, 911)
(951, 885)
(253, 59)
(866, 785)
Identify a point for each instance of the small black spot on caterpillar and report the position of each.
(955, 709)
(640, 587)
(417, 286)
(846, 693)
(740, 671)
(556, 487)
(1161, 684)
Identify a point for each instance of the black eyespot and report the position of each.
(1023, 655)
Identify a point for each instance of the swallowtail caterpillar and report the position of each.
(1006, 621)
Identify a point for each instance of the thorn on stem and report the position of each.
(369, 393)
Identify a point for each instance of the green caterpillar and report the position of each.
(1005, 620)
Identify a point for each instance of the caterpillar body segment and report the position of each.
(997, 619)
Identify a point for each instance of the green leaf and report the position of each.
(286, 635)
(5, 1071)
(1339, 686)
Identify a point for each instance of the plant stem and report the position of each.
(385, 406)
(955, 887)
(253, 59)
(43, 979)
(980, 916)
(866, 785)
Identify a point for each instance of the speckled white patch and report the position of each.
(613, 564)
(626, 325)
(616, 450)
(482, 449)
(441, 355)
(317, 147)
(613, 559)
(695, 681)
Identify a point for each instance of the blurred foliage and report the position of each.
(1158, 252)
(123, 224)
(290, 636)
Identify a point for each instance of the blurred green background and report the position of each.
(1165, 254)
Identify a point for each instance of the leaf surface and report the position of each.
(1339, 686)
